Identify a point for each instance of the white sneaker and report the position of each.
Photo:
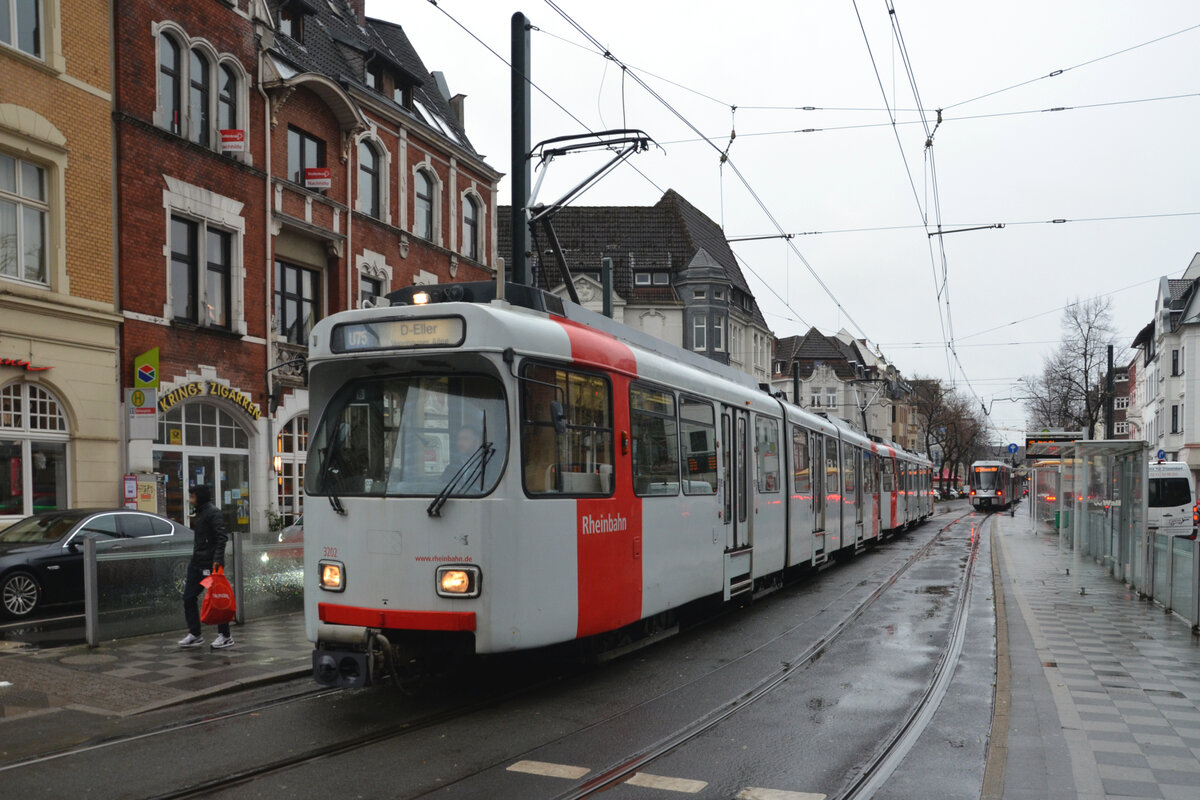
(222, 641)
(191, 640)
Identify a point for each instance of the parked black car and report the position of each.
(41, 557)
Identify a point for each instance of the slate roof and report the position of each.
(813, 348)
(665, 236)
(336, 46)
(1178, 289)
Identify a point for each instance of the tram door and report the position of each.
(817, 449)
(735, 488)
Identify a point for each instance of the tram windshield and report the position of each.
(985, 478)
(410, 435)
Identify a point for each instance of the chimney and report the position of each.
(457, 106)
(360, 11)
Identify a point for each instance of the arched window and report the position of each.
(423, 221)
(291, 447)
(470, 218)
(227, 102)
(368, 180)
(198, 99)
(169, 72)
(33, 451)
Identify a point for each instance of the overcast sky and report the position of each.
(1118, 163)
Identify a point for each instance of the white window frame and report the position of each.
(207, 209)
(1120, 403)
(216, 61)
(374, 266)
(26, 435)
(371, 139)
(473, 195)
(49, 35)
(641, 279)
(28, 136)
(700, 332)
(718, 336)
(23, 203)
(435, 224)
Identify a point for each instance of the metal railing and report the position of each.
(138, 589)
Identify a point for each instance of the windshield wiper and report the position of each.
(473, 468)
(331, 452)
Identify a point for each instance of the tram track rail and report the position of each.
(884, 759)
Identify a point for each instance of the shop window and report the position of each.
(33, 451)
(24, 218)
(291, 449)
(297, 301)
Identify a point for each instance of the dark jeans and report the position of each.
(191, 595)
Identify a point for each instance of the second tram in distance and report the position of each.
(993, 485)
(495, 475)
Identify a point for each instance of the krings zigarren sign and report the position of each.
(211, 389)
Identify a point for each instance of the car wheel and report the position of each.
(19, 594)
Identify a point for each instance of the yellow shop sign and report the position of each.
(212, 389)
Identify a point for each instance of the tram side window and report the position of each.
(802, 474)
(566, 432)
(887, 478)
(698, 445)
(833, 480)
(655, 441)
(766, 450)
(849, 459)
(868, 475)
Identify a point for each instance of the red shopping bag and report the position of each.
(218, 606)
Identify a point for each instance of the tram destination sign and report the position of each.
(391, 334)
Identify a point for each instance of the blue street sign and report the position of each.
(1012, 448)
(1162, 454)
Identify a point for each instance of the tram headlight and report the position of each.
(331, 576)
(420, 298)
(458, 581)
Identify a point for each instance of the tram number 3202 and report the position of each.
(330, 552)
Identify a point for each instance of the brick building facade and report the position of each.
(277, 162)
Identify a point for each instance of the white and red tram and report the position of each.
(495, 475)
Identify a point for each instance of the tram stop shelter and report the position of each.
(1094, 497)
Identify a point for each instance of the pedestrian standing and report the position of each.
(208, 553)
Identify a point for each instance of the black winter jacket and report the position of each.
(209, 526)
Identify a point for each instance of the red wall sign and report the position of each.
(318, 177)
(17, 362)
(233, 140)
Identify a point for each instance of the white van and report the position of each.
(1172, 499)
